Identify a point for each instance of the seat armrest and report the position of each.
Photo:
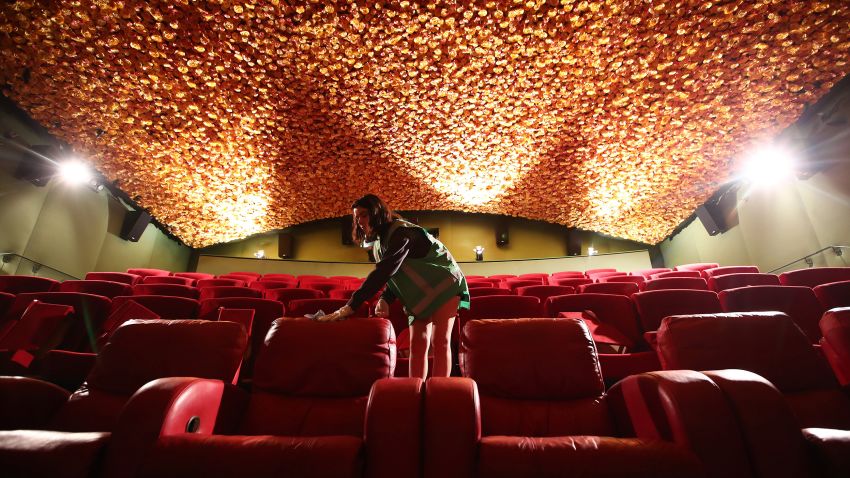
(687, 408)
(452, 427)
(28, 403)
(163, 407)
(393, 428)
(774, 442)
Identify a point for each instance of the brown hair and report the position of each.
(379, 214)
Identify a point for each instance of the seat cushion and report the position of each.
(220, 456)
(49, 454)
(582, 456)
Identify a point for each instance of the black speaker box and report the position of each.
(345, 230)
(134, 225)
(285, 245)
(720, 215)
(573, 242)
(502, 237)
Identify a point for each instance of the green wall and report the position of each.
(460, 232)
(777, 226)
(75, 230)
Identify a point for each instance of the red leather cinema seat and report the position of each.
(771, 345)
(835, 326)
(733, 281)
(172, 290)
(123, 277)
(666, 283)
(228, 291)
(543, 292)
(614, 288)
(141, 272)
(300, 307)
(654, 305)
(167, 307)
(97, 287)
(187, 281)
(482, 291)
(90, 313)
(22, 284)
(799, 303)
(49, 432)
(326, 411)
(833, 294)
(815, 276)
(533, 404)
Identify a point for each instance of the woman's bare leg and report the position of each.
(443, 321)
(420, 337)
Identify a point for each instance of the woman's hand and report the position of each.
(382, 309)
(340, 314)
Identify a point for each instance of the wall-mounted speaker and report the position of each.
(285, 245)
(720, 213)
(135, 223)
(574, 238)
(346, 222)
(502, 237)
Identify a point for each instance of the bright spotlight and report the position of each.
(769, 165)
(75, 172)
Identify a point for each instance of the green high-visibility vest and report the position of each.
(425, 284)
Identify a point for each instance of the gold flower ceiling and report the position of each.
(229, 118)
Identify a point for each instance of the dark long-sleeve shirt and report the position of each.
(405, 242)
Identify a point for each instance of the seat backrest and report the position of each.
(22, 284)
(692, 283)
(302, 279)
(187, 281)
(167, 307)
(141, 351)
(571, 281)
(287, 294)
(194, 275)
(596, 276)
(301, 389)
(323, 286)
(833, 294)
(835, 327)
(502, 307)
(300, 307)
(722, 271)
(229, 291)
(144, 272)
(567, 274)
(535, 377)
(247, 279)
(647, 273)
(616, 310)
(653, 306)
(265, 312)
(271, 284)
(482, 291)
(98, 287)
(543, 292)
(588, 272)
(514, 284)
(123, 277)
(90, 313)
(815, 276)
(733, 281)
(636, 279)
(204, 283)
(798, 302)
(173, 290)
(41, 327)
(344, 294)
(699, 266)
(766, 343)
(618, 288)
(283, 277)
(664, 275)
(535, 276)
(256, 275)
(6, 301)
(502, 277)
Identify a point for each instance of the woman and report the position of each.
(418, 270)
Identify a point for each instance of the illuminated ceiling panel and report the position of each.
(229, 118)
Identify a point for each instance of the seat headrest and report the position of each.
(767, 343)
(141, 351)
(302, 357)
(533, 359)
